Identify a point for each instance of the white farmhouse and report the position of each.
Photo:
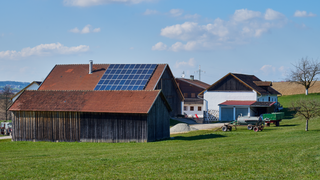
(240, 94)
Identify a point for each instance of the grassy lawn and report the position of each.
(284, 152)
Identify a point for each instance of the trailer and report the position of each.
(274, 118)
(253, 123)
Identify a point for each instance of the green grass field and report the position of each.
(284, 152)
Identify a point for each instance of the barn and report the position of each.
(91, 116)
(240, 94)
(99, 103)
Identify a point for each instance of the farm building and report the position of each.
(240, 94)
(99, 103)
(91, 116)
(190, 88)
(32, 86)
(116, 77)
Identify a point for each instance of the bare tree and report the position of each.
(6, 94)
(306, 109)
(305, 73)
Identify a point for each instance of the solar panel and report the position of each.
(126, 77)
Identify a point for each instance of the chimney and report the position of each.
(191, 77)
(90, 66)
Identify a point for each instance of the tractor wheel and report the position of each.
(224, 128)
(230, 128)
(277, 123)
(250, 127)
(256, 129)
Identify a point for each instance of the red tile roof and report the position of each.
(239, 103)
(155, 77)
(73, 77)
(248, 103)
(138, 102)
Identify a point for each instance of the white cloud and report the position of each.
(160, 46)
(272, 15)
(190, 63)
(268, 69)
(303, 14)
(176, 12)
(244, 14)
(96, 30)
(243, 25)
(86, 3)
(85, 30)
(74, 30)
(149, 12)
(43, 50)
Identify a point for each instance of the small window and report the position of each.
(191, 108)
(185, 108)
(185, 95)
(199, 108)
(193, 95)
(269, 99)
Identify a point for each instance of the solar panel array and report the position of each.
(126, 77)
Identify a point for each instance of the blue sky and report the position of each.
(263, 38)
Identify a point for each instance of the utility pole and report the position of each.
(199, 71)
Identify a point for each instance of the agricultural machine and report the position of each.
(6, 128)
(255, 123)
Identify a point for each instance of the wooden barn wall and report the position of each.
(158, 121)
(229, 84)
(166, 84)
(189, 88)
(103, 127)
(45, 126)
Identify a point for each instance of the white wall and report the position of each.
(195, 111)
(217, 97)
(265, 98)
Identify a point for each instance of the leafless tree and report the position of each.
(305, 73)
(306, 109)
(6, 95)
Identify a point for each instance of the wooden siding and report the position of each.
(103, 127)
(229, 84)
(45, 126)
(158, 121)
(170, 91)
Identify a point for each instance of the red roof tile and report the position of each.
(155, 77)
(73, 77)
(138, 102)
(238, 103)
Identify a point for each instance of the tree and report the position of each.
(305, 73)
(6, 93)
(307, 109)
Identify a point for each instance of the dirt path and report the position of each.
(6, 137)
(207, 126)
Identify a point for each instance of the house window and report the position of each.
(191, 108)
(185, 108)
(199, 108)
(269, 99)
(193, 95)
(185, 95)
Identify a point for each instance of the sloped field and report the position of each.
(287, 88)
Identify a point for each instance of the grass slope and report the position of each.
(284, 152)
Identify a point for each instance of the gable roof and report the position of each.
(249, 81)
(137, 102)
(197, 83)
(73, 77)
(18, 93)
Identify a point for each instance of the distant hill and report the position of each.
(15, 85)
(287, 88)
